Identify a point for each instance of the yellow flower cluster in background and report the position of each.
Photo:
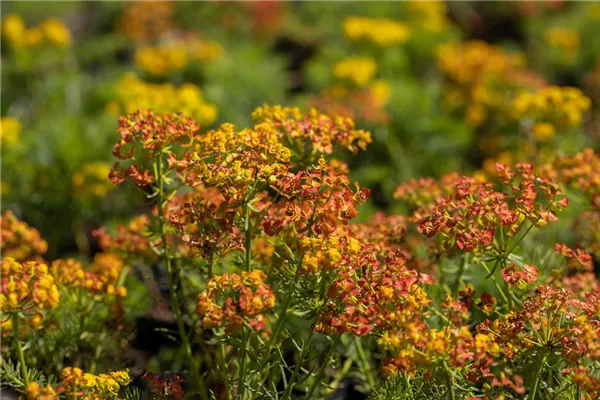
(51, 31)
(92, 179)
(550, 109)
(175, 56)
(477, 77)
(133, 94)
(431, 15)
(566, 40)
(381, 91)
(358, 70)
(381, 31)
(161, 60)
(10, 130)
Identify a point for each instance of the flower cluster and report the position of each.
(372, 294)
(175, 56)
(78, 384)
(550, 109)
(580, 173)
(19, 240)
(161, 60)
(164, 388)
(470, 218)
(550, 322)
(10, 130)
(320, 200)
(206, 221)
(147, 22)
(380, 31)
(520, 277)
(156, 133)
(92, 180)
(132, 94)
(431, 15)
(326, 252)
(477, 75)
(50, 31)
(320, 131)
(34, 391)
(565, 40)
(357, 70)
(71, 273)
(423, 192)
(129, 240)
(359, 104)
(244, 297)
(27, 290)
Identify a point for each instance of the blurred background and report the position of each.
(442, 87)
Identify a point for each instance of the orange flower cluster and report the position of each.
(206, 222)
(551, 322)
(147, 22)
(34, 391)
(19, 240)
(370, 293)
(470, 218)
(319, 200)
(129, 240)
(155, 133)
(27, 290)
(423, 192)
(244, 297)
(581, 173)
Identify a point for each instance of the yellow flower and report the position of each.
(429, 14)
(92, 179)
(559, 106)
(13, 30)
(207, 50)
(10, 129)
(56, 32)
(160, 61)
(543, 131)
(381, 31)
(381, 91)
(33, 37)
(565, 38)
(358, 70)
(133, 94)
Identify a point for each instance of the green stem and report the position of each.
(171, 281)
(363, 359)
(224, 367)
(461, 271)
(449, 382)
(341, 375)
(536, 375)
(500, 290)
(20, 349)
(322, 369)
(277, 330)
(247, 236)
(290, 386)
(242, 372)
